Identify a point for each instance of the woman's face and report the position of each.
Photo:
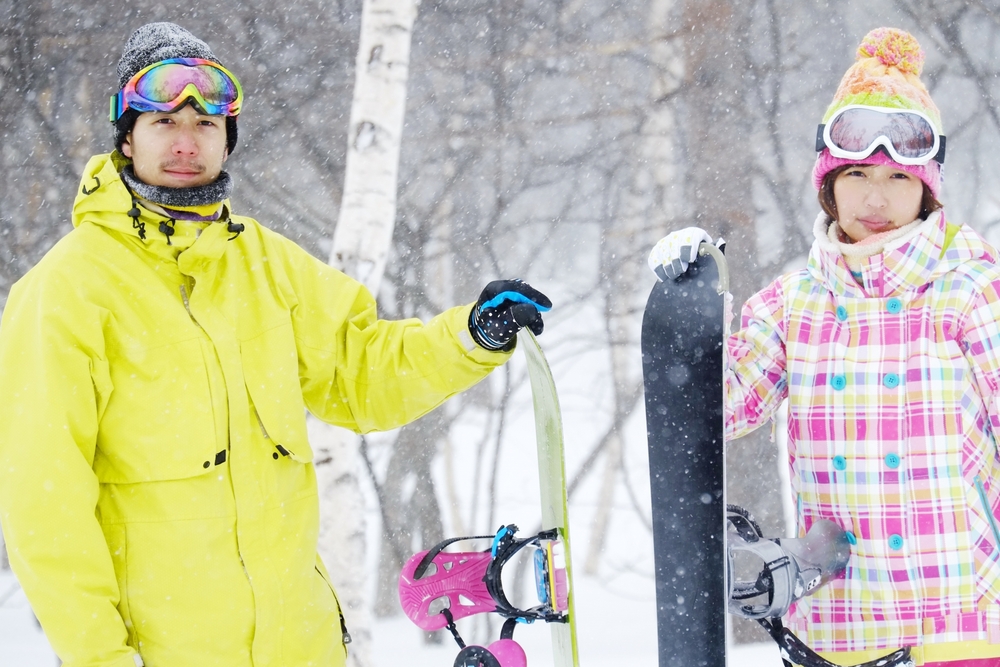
(876, 198)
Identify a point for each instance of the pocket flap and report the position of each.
(271, 371)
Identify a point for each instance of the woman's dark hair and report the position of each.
(928, 204)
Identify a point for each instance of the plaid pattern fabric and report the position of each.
(892, 380)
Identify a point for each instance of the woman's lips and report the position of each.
(875, 223)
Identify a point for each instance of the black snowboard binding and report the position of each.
(792, 568)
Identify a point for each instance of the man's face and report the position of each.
(181, 149)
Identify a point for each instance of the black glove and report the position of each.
(504, 307)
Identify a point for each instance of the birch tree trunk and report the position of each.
(360, 248)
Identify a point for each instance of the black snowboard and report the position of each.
(682, 348)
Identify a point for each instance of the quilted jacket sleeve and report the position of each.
(981, 342)
(755, 363)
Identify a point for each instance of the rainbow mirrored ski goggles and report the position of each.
(169, 84)
(856, 131)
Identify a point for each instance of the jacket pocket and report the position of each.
(159, 422)
(271, 371)
(115, 535)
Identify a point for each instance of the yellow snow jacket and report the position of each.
(157, 492)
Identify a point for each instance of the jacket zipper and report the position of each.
(187, 303)
(187, 307)
(346, 636)
(260, 422)
(989, 513)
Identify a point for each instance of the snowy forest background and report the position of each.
(551, 140)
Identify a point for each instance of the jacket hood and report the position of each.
(103, 199)
(936, 248)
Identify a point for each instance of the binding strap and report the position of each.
(795, 652)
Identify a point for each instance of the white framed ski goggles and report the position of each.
(170, 84)
(856, 131)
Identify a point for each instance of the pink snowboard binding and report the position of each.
(438, 588)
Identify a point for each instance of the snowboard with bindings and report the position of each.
(551, 483)
(436, 587)
(683, 334)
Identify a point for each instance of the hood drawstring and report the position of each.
(134, 213)
(234, 227)
(167, 229)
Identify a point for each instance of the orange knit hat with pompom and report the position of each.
(886, 73)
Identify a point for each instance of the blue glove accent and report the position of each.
(517, 297)
(504, 307)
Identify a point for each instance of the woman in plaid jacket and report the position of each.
(887, 347)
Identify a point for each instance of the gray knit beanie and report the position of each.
(150, 44)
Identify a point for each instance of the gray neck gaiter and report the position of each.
(218, 190)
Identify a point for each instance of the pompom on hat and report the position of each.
(150, 44)
(886, 73)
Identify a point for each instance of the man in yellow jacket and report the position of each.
(157, 493)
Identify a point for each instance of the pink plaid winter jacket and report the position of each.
(893, 381)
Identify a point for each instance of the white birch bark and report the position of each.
(360, 248)
(368, 208)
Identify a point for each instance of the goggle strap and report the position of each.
(820, 142)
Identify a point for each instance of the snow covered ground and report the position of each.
(608, 638)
